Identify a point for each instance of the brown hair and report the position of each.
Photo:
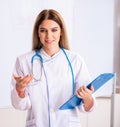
(51, 15)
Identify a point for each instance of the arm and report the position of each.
(82, 76)
(19, 93)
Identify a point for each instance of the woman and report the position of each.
(49, 75)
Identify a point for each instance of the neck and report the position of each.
(51, 52)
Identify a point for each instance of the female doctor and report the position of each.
(49, 75)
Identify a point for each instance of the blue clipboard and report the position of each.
(97, 83)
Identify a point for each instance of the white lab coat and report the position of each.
(43, 106)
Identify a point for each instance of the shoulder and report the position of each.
(73, 56)
(26, 56)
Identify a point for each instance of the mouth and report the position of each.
(49, 41)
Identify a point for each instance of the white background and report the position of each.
(90, 26)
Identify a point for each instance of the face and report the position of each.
(49, 33)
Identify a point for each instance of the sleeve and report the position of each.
(81, 73)
(82, 109)
(17, 102)
(82, 77)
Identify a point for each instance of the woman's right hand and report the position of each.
(21, 83)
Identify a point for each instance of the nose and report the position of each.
(49, 34)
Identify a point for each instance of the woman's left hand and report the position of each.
(86, 94)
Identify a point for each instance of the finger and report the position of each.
(16, 76)
(23, 82)
(84, 88)
(80, 90)
(26, 79)
(79, 94)
(92, 88)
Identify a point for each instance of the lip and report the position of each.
(49, 41)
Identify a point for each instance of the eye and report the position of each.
(54, 30)
(42, 30)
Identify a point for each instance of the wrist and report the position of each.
(21, 93)
(88, 103)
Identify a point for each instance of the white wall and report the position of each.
(93, 36)
(90, 26)
(16, 24)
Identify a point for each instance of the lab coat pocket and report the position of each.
(74, 121)
(30, 123)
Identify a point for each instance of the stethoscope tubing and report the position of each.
(37, 54)
(72, 74)
(71, 68)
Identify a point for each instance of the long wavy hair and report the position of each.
(49, 14)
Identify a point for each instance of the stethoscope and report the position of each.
(38, 55)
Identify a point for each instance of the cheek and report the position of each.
(41, 37)
(58, 36)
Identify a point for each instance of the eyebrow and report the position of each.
(50, 28)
